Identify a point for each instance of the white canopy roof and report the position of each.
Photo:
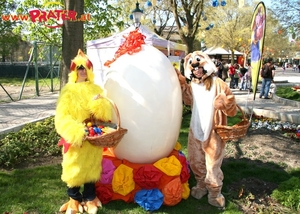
(236, 52)
(220, 51)
(151, 39)
(215, 51)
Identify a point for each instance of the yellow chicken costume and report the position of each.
(81, 163)
(206, 94)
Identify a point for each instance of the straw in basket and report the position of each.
(110, 139)
(234, 132)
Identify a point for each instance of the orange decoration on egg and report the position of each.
(132, 44)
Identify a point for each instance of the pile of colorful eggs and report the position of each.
(93, 130)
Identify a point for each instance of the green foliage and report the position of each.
(32, 141)
(104, 18)
(288, 193)
(234, 120)
(288, 93)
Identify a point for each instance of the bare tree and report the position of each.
(288, 12)
(187, 14)
(72, 38)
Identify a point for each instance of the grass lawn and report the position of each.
(40, 190)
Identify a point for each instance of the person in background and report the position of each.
(231, 75)
(283, 67)
(225, 70)
(220, 68)
(237, 75)
(243, 78)
(267, 79)
(249, 72)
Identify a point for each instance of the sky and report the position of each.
(268, 3)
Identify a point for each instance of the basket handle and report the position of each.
(115, 109)
(243, 114)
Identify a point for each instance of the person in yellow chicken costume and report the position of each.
(207, 94)
(81, 165)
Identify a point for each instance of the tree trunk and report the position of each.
(72, 38)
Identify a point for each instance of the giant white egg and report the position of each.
(146, 91)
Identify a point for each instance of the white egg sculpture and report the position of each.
(146, 91)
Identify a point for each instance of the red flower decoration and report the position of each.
(147, 177)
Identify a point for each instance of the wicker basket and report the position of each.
(234, 132)
(109, 139)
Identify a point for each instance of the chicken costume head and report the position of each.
(81, 60)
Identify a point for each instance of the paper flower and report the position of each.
(177, 146)
(173, 192)
(104, 193)
(108, 169)
(171, 166)
(185, 171)
(147, 177)
(150, 200)
(186, 190)
(122, 181)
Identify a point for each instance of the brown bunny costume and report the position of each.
(206, 94)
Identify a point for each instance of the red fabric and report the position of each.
(232, 70)
(185, 174)
(104, 192)
(127, 198)
(64, 143)
(147, 177)
(132, 44)
(134, 166)
(164, 180)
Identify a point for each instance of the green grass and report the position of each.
(287, 93)
(40, 190)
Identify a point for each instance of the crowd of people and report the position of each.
(241, 78)
(240, 75)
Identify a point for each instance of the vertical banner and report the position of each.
(258, 27)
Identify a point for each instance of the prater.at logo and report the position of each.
(51, 15)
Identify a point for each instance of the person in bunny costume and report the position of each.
(208, 95)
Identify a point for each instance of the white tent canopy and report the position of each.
(101, 50)
(151, 39)
(216, 51)
(220, 51)
(236, 52)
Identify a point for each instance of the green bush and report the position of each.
(32, 141)
(288, 193)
